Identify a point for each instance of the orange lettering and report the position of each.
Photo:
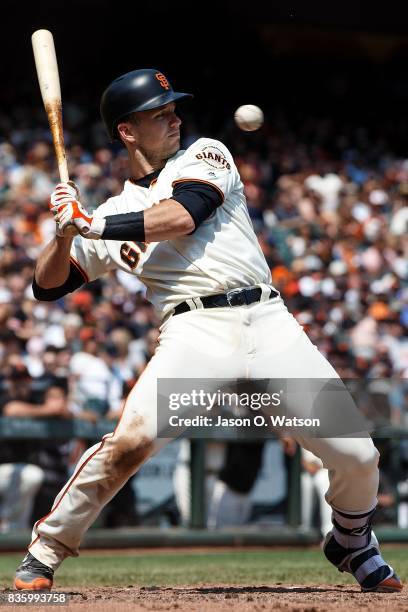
(129, 255)
(162, 80)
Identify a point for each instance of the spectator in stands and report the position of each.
(24, 466)
(94, 385)
(20, 479)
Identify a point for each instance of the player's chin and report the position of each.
(174, 145)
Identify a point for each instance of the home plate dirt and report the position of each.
(214, 598)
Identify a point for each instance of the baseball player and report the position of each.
(181, 224)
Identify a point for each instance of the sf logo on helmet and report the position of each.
(162, 80)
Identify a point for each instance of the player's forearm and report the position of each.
(53, 264)
(164, 221)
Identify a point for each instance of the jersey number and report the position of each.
(131, 255)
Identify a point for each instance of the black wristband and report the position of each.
(128, 226)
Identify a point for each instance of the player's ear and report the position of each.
(126, 132)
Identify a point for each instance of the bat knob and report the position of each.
(70, 230)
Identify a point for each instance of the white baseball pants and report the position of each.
(261, 340)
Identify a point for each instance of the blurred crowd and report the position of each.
(329, 204)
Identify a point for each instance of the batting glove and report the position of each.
(71, 216)
(73, 213)
(62, 194)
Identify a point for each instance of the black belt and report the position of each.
(235, 297)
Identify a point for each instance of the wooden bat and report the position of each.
(48, 78)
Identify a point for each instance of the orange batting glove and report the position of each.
(69, 213)
(62, 194)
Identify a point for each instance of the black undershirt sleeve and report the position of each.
(74, 280)
(199, 199)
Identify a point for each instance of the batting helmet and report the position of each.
(139, 90)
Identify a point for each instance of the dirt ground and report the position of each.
(214, 598)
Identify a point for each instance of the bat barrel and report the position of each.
(48, 78)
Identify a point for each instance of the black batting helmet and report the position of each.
(138, 90)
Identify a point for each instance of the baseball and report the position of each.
(249, 117)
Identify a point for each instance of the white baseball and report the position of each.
(249, 117)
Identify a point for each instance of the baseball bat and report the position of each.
(48, 78)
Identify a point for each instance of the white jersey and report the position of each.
(222, 254)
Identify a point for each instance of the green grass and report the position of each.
(300, 566)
